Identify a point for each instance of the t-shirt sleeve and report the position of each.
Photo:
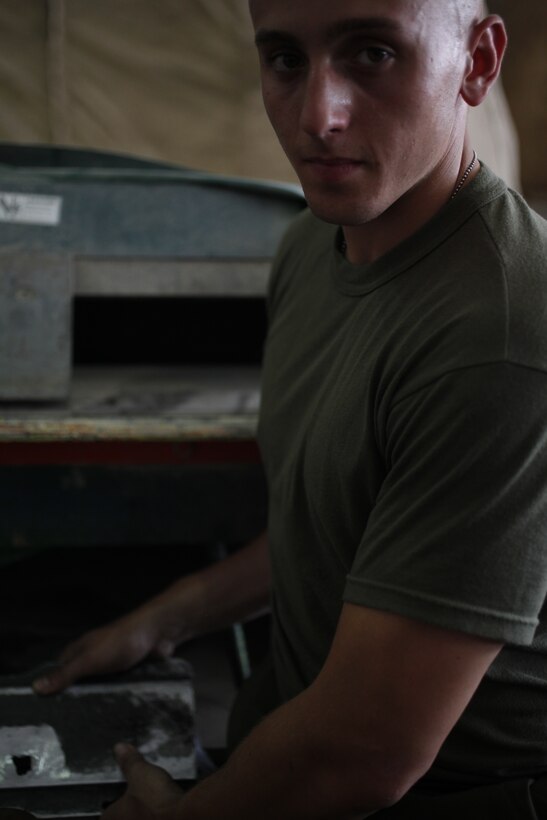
(458, 536)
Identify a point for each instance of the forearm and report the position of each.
(367, 728)
(355, 741)
(233, 589)
(291, 767)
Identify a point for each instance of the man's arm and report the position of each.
(215, 597)
(359, 737)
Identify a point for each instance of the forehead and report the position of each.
(413, 16)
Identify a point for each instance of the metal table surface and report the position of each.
(141, 404)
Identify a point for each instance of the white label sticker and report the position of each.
(31, 209)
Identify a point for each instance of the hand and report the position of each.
(109, 649)
(151, 794)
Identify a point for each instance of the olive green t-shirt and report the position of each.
(404, 434)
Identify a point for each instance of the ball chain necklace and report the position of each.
(464, 177)
(455, 192)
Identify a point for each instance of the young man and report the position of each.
(404, 435)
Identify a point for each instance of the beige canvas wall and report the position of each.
(170, 79)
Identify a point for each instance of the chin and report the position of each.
(345, 213)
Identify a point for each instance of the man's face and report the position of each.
(363, 95)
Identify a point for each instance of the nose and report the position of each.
(326, 103)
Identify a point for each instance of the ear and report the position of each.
(488, 40)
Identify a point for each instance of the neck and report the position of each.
(368, 242)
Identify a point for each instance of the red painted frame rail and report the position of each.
(239, 451)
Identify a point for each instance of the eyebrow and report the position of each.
(349, 26)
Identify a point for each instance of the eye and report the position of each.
(285, 61)
(373, 56)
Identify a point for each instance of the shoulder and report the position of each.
(508, 217)
(487, 295)
(476, 296)
(518, 237)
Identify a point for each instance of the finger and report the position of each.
(164, 649)
(150, 785)
(128, 758)
(139, 773)
(63, 676)
(72, 650)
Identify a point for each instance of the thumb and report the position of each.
(128, 758)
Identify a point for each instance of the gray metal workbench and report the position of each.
(82, 225)
(154, 458)
(164, 455)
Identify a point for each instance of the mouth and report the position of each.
(331, 169)
(332, 162)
